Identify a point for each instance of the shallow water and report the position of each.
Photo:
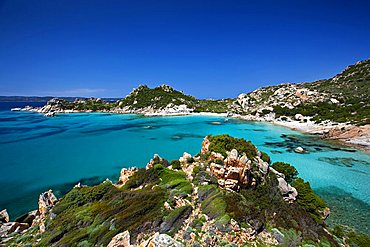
(38, 153)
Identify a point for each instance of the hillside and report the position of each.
(227, 194)
(165, 99)
(343, 98)
(161, 100)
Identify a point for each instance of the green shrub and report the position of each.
(222, 143)
(176, 164)
(214, 205)
(196, 170)
(265, 157)
(308, 200)
(174, 220)
(288, 170)
(219, 162)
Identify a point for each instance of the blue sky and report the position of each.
(208, 49)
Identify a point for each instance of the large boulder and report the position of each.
(47, 201)
(185, 157)
(4, 216)
(289, 193)
(120, 240)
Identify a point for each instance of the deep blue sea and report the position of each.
(38, 153)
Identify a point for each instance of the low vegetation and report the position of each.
(225, 143)
(289, 171)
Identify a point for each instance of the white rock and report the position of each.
(161, 240)
(299, 150)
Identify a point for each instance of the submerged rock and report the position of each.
(299, 150)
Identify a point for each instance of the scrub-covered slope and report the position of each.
(343, 98)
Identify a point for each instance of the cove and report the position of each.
(38, 153)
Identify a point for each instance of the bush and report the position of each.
(308, 200)
(289, 171)
(176, 164)
(265, 157)
(222, 143)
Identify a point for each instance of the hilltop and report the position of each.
(229, 193)
(166, 100)
(343, 98)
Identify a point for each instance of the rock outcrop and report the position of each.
(47, 201)
(235, 172)
(120, 240)
(125, 175)
(262, 100)
(289, 192)
(157, 160)
(4, 216)
(211, 199)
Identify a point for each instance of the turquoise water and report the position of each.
(38, 153)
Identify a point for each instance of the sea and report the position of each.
(38, 153)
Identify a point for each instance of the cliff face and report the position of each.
(227, 194)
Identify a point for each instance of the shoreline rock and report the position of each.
(4, 216)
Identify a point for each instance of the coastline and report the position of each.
(357, 137)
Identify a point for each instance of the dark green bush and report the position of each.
(308, 200)
(176, 164)
(289, 171)
(265, 157)
(222, 143)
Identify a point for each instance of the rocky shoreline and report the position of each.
(346, 134)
